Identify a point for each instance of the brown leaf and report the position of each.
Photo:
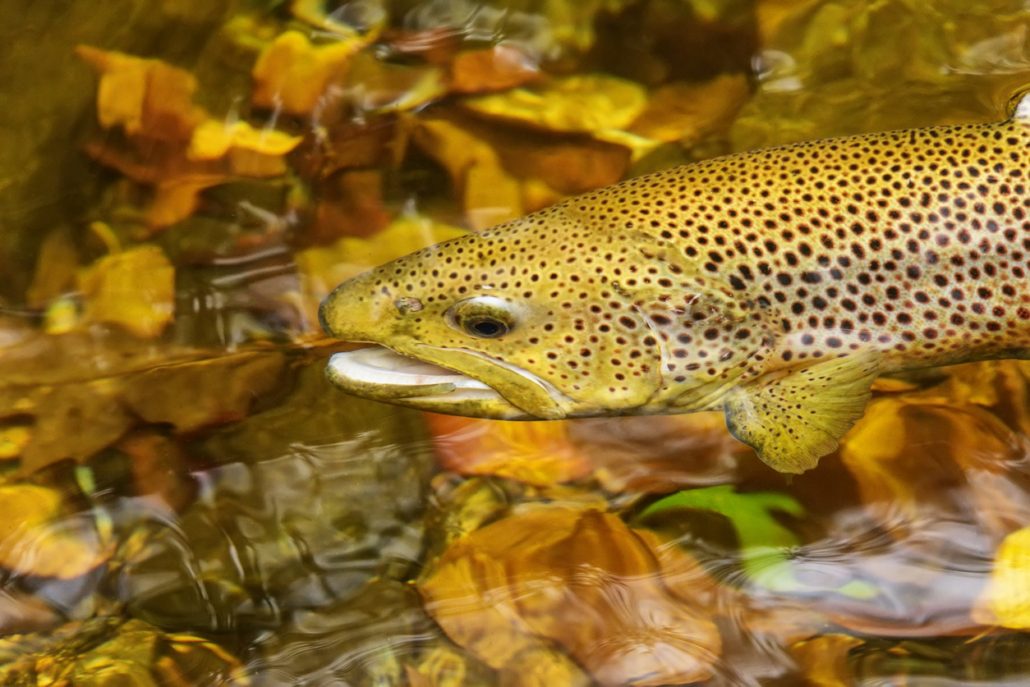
(193, 395)
(492, 69)
(580, 579)
(688, 113)
(159, 469)
(351, 204)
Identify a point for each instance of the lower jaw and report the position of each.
(492, 408)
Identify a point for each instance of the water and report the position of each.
(187, 500)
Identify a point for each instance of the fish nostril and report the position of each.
(407, 304)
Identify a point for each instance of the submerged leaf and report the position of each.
(594, 103)
(584, 581)
(134, 289)
(39, 537)
(537, 453)
(143, 96)
(219, 390)
(688, 112)
(765, 544)
(493, 69)
(294, 75)
(1006, 600)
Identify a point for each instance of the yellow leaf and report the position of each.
(489, 194)
(134, 289)
(374, 86)
(143, 96)
(13, 438)
(1006, 600)
(36, 538)
(824, 659)
(55, 268)
(592, 103)
(213, 139)
(292, 74)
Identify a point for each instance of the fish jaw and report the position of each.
(381, 374)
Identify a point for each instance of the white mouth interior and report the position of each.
(379, 365)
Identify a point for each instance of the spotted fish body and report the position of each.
(775, 285)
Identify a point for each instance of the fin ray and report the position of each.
(794, 418)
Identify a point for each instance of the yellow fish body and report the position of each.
(775, 285)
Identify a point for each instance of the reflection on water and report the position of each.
(184, 499)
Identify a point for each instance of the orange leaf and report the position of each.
(37, 538)
(533, 452)
(494, 69)
(144, 97)
(582, 580)
(294, 75)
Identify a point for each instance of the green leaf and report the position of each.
(765, 544)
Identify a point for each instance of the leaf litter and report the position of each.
(615, 552)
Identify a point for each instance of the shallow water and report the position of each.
(186, 500)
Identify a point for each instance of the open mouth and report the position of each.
(380, 373)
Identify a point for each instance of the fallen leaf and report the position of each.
(581, 580)
(765, 545)
(538, 453)
(492, 69)
(943, 456)
(686, 113)
(39, 537)
(294, 75)
(824, 659)
(212, 140)
(172, 145)
(55, 269)
(488, 193)
(601, 105)
(114, 651)
(160, 469)
(143, 96)
(368, 18)
(373, 86)
(218, 390)
(1006, 599)
(134, 289)
(350, 204)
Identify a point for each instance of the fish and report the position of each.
(774, 285)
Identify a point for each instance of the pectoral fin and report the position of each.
(795, 417)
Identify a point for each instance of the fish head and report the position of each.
(545, 317)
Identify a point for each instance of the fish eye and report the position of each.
(484, 317)
(485, 327)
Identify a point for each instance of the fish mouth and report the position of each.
(382, 374)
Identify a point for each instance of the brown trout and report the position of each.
(774, 285)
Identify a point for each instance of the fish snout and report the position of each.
(353, 311)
